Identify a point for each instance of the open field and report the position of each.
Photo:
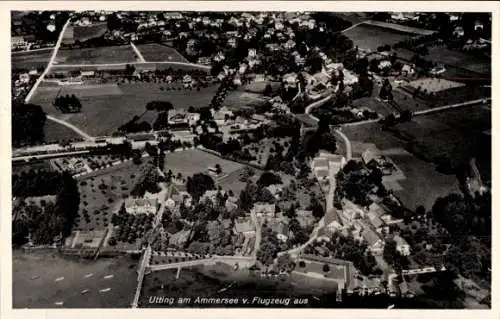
(458, 64)
(193, 161)
(140, 66)
(84, 33)
(101, 104)
(55, 132)
(423, 184)
(102, 201)
(232, 181)
(112, 54)
(259, 87)
(239, 99)
(31, 60)
(44, 291)
(459, 59)
(154, 52)
(370, 37)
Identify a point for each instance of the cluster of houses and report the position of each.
(370, 224)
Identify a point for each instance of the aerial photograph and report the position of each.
(255, 159)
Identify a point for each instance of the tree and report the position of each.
(265, 196)
(198, 184)
(268, 91)
(326, 268)
(390, 251)
(328, 142)
(386, 90)
(406, 116)
(268, 178)
(317, 209)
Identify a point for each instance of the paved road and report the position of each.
(316, 104)
(201, 66)
(49, 65)
(347, 143)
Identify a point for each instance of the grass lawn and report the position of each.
(154, 52)
(100, 55)
(44, 291)
(369, 37)
(259, 87)
(193, 161)
(31, 60)
(108, 106)
(232, 181)
(55, 132)
(84, 33)
(240, 99)
(102, 203)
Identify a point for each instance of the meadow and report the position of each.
(155, 52)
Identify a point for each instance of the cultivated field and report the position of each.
(100, 55)
(102, 193)
(370, 37)
(194, 161)
(31, 60)
(43, 292)
(154, 52)
(102, 103)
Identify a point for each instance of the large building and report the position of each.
(137, 206)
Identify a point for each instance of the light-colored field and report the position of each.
(369, 37)
(154, 52)
(194, 161)
(44, 291)
(31, 60)
(106, 107)
(112, 54)
(239, 99)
